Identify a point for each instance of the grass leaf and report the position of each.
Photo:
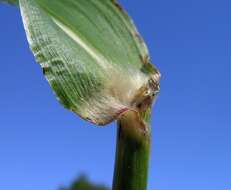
(91, 54)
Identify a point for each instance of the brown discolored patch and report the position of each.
(117, 5)
(45, 70)
(138, 119)
(134, 117)
(145, 59)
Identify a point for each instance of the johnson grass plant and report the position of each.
(99, 68)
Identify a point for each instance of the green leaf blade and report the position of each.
(89, 53)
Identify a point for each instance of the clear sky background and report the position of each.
(42, 145)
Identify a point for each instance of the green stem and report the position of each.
(132, 153)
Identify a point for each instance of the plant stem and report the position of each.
(132, 153)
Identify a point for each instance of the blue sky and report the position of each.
(42, 145)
